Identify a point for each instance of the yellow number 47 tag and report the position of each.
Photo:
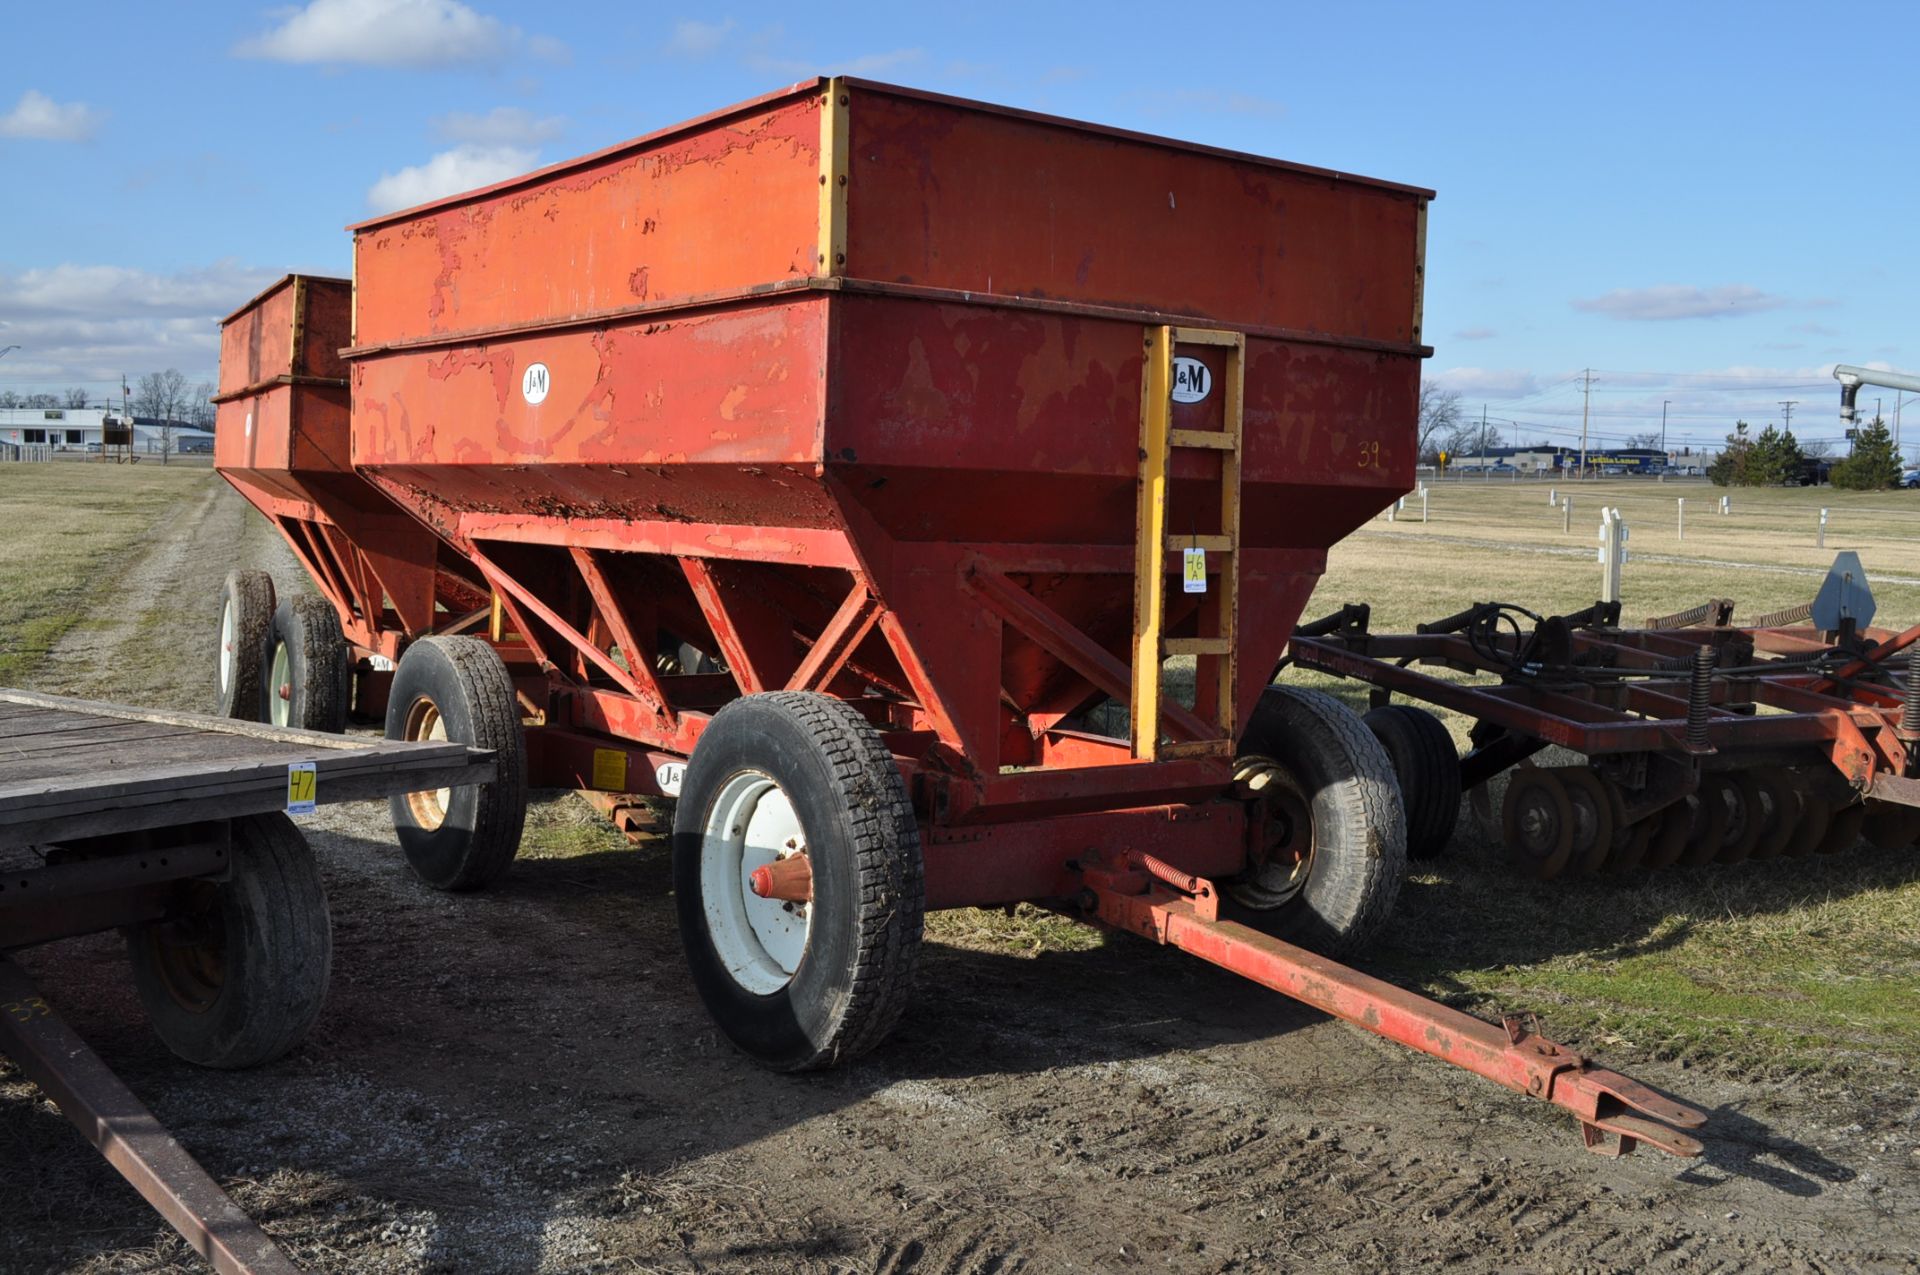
(303, 788)
(1195, 564)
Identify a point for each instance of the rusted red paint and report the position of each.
(944, 193)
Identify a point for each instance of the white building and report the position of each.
(81, 429)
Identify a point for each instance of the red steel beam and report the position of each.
(121, 1128)
(855, 618)
(1133, 898)
(646, 686)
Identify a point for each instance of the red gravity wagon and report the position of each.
(921, 492)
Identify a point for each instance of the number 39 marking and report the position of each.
(1369, 455)
(27, 1010)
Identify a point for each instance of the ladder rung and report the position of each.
(1197, 646)
(1198, 748)
(1217, 440)
(1212, 544)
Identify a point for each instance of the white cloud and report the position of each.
(699, 39)
(40, 118)
(1474, 334)
(392, 33)
(449, 173)
(1491, 384)
(502, 126)
(91, 323)
(1683, 301)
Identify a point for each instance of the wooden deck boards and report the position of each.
(73, 767)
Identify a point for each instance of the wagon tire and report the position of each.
(309, 678)
(242, 639)
(798, 986)
(1428, 768)
(237, 976)
(458, 689)
(1328, 867)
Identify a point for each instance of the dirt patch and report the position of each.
(524, 1081)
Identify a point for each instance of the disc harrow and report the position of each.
(1706, 743)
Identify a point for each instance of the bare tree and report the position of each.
(1472, 437)
(165, 396)
(1815, 448)
(9, 399)
(200, 406)
(1439, 417)
(77, 396)
(1647, 441)
(41, 400)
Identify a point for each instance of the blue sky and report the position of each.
(1708, 204)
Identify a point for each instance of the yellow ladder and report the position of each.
(1158, 439)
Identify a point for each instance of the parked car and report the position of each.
(1911, 478)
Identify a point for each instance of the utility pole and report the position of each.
(1786, 410)
(1663, 431)
(1585, 402)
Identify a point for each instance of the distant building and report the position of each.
(1535, 460)
(82, 429)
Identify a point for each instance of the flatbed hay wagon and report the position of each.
(826, 463)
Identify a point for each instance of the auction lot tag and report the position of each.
(303, 786)
(1195, 562)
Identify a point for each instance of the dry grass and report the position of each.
(71, 529)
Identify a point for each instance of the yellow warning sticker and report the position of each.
(303, 788)
(1195, 564)
(610, 770)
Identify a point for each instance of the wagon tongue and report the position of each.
(1141, 895)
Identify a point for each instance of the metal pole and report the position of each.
(1566, 513)
(1822, 542)
(1663, 431)
(1680, 519)
(1423, 504)
(109, 1116)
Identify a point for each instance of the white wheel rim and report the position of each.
(749, 824)
(280, 686)
(425, 723)
(226, 645)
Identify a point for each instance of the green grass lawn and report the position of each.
(70, 529)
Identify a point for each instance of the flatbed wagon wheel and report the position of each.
(1595, 813)
(1538, 823)
(242, 639)
(237, 974)
(308, 676)
(1890, 826)
(458, 688)
(1746, 815)
(1843, 832)
(1330, 841)
(1711, 809)
(798, 878)
(1782, 806)
(1427, 766)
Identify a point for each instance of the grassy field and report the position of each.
(70, 529)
